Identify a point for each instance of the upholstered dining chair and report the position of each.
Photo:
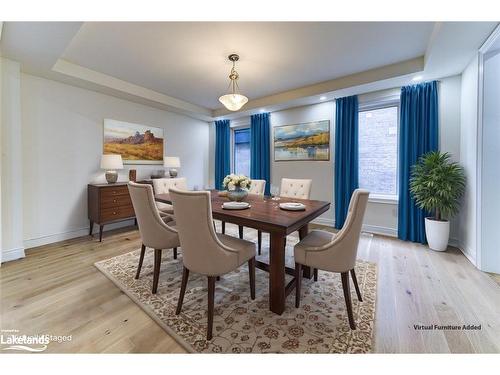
(156, 232)
(162, 186)
(334, 252)
(257, 187)
(203, 250)
(295, 188)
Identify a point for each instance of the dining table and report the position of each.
(264, 214)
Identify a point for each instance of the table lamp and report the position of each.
(110, 163)
(172, 162)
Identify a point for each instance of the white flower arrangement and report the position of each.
(233, 181)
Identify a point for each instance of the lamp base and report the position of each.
(172, 172)
(111, 176)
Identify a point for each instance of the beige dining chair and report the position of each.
(156, 232)
(334, 252)
(203, 250)
(257, 187)
(162, 186)
(295, 188)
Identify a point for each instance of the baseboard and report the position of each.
(12, 254)
(74, 233)
(466, 251)
(384, 231)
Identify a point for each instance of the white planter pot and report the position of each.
(438, 233)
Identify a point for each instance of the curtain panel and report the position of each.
(222, 147)
(419, 134)
(346, 155)
(260, 145)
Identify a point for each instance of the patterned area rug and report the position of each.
(244, 326)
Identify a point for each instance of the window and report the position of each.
(378, 151)
(241, 150)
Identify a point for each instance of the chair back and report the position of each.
(163, 185)
(295, 188)
(257, 187)
(202, 251)
(347, 239)
(154, 232)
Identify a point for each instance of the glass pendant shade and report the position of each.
(233, 102)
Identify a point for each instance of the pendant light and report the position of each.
(233, 101)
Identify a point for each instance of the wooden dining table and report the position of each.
(265, 215)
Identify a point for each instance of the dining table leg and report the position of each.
(306, 271)
(277, 273)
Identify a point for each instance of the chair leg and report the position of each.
(156, 271)
(315, 274)
(259, 241)
(251, 273)
(298, 282)
(223, 227)
(185, 277)
(240, 231)
(215, 227)
(175, 253)
(347, 297)
(211, 298)
(355, 281)
(141, 259)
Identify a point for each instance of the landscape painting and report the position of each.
(137, 144)
(306, 141)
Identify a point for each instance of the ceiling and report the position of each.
(189, 60)
(184, 66)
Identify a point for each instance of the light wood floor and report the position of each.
(57, 290)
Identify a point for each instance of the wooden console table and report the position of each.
(108, 203)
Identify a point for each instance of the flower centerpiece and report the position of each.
(237, 186)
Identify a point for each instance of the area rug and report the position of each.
(241, 325)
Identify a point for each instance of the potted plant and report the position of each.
(437, 185)
(237, 186)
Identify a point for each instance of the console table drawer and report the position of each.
(115, 201)
(110, 192)
(114, 213)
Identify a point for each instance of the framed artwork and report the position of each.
(305, 141)
(137, 144)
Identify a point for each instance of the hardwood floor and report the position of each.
(57, 290)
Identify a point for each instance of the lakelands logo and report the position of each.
(13, 340)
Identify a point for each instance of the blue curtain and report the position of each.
(346, 155)
(418, 135)
(260, 144)
(222, 160)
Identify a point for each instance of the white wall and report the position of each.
(11, 245)
(62, 130)
(468, 159)
(490, 173)
(449, 129)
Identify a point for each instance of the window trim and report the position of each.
(231, 146)
(381, 104)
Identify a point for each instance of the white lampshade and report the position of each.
(111, 162)
(233, 102)
(171, 162)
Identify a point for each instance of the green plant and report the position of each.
(437, 184)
